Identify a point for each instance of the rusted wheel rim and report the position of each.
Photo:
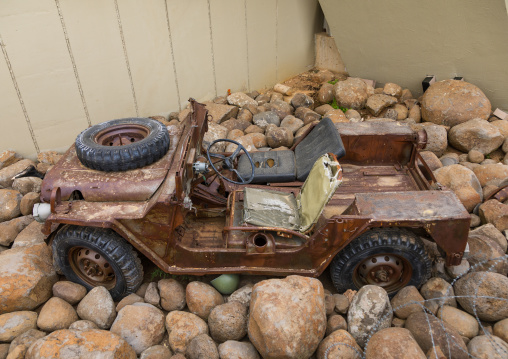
(389, 271)
(92, 267)
(121, 135)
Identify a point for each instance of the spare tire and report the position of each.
(121, 145)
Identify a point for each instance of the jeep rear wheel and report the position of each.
(390, 258)
(96, 257)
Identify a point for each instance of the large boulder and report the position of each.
(141, 325)
(16, 323)
(26, 277)
(463, 182)
(476, 134)
(483, 294)
(98, 307)
(9, 204)
(491, 172)
(352, 93)
(182, 327)
(240, 99)
(393, 343)
(71, 344)
(369, 312)
(284, 309)
(452, 102)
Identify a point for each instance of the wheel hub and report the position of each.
(92, 267)
(121, 135)
(385, 270)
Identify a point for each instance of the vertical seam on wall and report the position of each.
(18, 92)
(211, 43)
(173, 57)
(247, 44)
(126, 56)
(71, 55)
(276, 40)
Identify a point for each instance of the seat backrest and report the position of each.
(324, 178)
(324, 138)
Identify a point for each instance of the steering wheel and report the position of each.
(229, 160)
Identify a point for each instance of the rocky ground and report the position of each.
(460, 312)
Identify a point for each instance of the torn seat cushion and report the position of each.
(270, 166)
(267, 208)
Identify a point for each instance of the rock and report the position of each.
(353, 115)
(31, 235)
(486, 255)
(302, 131)
(178, 356)
(398, 323)
(377, 103)
(237, 350)
(335, 322)
(215, 132)
(438, 292)
(83, 325)
(129, 300)
(502, 126)
(156, 352)
(242, 295)
(476, 134)
(8, 158)
(406, 95)
(244, 115)
(56, 314)
(321, 110)
(437, 137)
(452, 102)
(258, 139)
(487, 347)
(279, 136)
(202, 298)
(182, 327)
(369, 311)
(240, 99)
(27, 203)
(228, 322)
(291, 123)
(202, 346)
(392, 89)
(16, 323)
(501, 329)
(98, 307)
(337, 116)
(172, 294)
(49, 157)
(141, 325)
(388, 113)
(352, 93)
(252, 109)
(475, 156)
(71, 292)
(10, 229)
(407, 301)
(281, 108)
(463, 182)
(302, 100)
(339, 345)
(8, 173)
(263, 119)
(329, 304)
(341, 303)
(429, 331)
(431, 160)
(475, 220)
(393, 343)
(221, 112)
(263, 99)
(26, 185)
(4, 350)
(23, 342)
(449, 159)
(9, 204)
(152, 295)
(401, 110)
(325, 93)
(486, 173)
(235, 124)
(142, 289)
(465, 324)
(459, 270)
(254, 129)
(415, 114)
(71, 344)
(235, 134)
(495, 213)
(26, 277)
(483, 294)
(246, 141)
(284, 309)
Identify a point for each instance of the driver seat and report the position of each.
(268, 208)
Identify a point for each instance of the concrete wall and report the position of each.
(401, 41)
(68, 64)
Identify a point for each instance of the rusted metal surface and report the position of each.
(188, 224)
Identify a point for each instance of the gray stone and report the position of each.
(152, 295)
(83, 325)
(281, 108)
(221, 112)
(377, 103)
(457, 271)
(215, 132)
(302, 100)
(476, 134)
(129, 300)
(341, 303)
(240, 99)
(292, 123)
(242, 295)
(98, 307)
(437, 137)
(263, 119)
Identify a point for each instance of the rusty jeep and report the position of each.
(135, 186)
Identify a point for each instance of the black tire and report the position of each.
(394, 244)
(149, 144)
(121, 257)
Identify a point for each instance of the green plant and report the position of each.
(158, 273)
(333, 82)
(336, 106)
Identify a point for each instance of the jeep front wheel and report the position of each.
(390, 258)
(96, 257)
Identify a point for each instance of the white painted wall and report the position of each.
(68, 64)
